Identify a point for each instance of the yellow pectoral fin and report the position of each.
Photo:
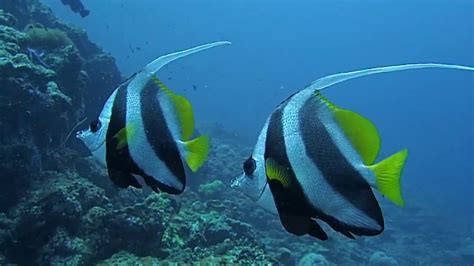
(360, 131)
(183, 109)
(277, 172)
(123, 135)
(197, 151)
(388, 176)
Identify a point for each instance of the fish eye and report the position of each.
(249, 166)
(95, 125)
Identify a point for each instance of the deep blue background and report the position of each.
(280, 46)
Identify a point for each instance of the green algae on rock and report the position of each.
(46, 38)
(211, 188)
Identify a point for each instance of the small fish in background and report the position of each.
(316, 161)
(145, 130)
(77, 7)
(36, 57)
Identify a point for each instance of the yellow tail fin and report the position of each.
(197, 151)
(388, 176)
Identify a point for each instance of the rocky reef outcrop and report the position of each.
(45, 81)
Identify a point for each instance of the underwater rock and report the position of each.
(68, 63)
(90, 169)
(126, 258)
(7, 19)
(42, 75)
(48, 39)
(467, 252)
(52, 90)
(14, 64)
(56, 201)
(211, 189)
(81, 41)
(29, 94)
(29, 10)
(137, 229)
(198, 232)
(379, 258)
(13, 37)
(6, 226)
(285, 256)
(20, 164)
(313, 259)
(62, 249)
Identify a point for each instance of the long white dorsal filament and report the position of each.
(158, 63)
(330, 80)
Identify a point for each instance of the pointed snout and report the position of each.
(80, 134)
(234, 182)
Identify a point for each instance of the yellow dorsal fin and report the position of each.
(388, 176)
(362, 133)
(197, 151)
(277, 172)
(123, 135)
(183, 108)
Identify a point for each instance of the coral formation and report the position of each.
(212, 188)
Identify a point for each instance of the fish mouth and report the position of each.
(234, 183)
(80, 134)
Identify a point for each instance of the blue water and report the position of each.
(280, 46)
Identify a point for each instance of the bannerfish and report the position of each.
(317, 161)
(145, 129)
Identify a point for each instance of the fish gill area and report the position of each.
(58, 207)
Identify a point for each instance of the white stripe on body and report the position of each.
(140, 149)
(104, 118)
(266, 198)
(320, 193)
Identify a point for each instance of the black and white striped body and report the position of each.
(153, 152)
(328, 177)
(314, 160)
(145, 130)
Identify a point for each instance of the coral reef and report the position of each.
(211, 189)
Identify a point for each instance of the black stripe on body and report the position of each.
(336, 170)
(293, 207)
(119, 163)
(159, 136)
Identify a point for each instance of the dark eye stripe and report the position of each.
(95, 125)
(249, 166)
